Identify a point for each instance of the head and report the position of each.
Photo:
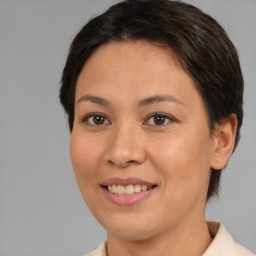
(196, 40)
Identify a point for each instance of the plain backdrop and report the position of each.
(41, 210)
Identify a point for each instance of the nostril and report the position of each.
(122, 164)
(131, 162)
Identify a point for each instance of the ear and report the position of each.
(224, 137)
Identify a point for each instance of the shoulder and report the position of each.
(223, 243)
(100, 251)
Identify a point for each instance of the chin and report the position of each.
(130, 228)
(130, 234)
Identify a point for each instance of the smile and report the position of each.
(127, 190)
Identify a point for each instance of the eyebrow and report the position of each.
(159, 98)
(93, 99)
(144, 102)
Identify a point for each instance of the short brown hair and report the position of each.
(200, 44)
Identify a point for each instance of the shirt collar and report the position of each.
(221, 245)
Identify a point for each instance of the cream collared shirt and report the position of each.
(222, 244)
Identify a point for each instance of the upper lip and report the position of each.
(126, 182)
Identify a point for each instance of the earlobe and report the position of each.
(224, 137)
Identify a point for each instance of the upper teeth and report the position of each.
(127, 190)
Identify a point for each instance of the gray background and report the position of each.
(41, 210)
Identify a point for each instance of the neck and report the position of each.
(186, 239)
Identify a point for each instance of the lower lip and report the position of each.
(126, 200)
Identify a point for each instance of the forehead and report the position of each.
(134, 70)
(125, 74)
(136, 48)
(131, 62)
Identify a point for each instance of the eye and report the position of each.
(159, 119)
(95, 119)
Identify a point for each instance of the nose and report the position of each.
(126, 147)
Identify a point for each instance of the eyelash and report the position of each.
(153, 115)
(161, 115)
(93, 115)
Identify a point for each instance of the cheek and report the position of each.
(185, 164)
(84, 157)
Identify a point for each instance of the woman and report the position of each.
(153, 91)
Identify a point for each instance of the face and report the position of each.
(140, 146)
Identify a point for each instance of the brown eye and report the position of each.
(158, 119)
(95, 119)
(98, 120)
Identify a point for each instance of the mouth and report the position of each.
(128, 189)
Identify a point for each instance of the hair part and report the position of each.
(200, 44)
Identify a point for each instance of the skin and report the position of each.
(176, 156)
